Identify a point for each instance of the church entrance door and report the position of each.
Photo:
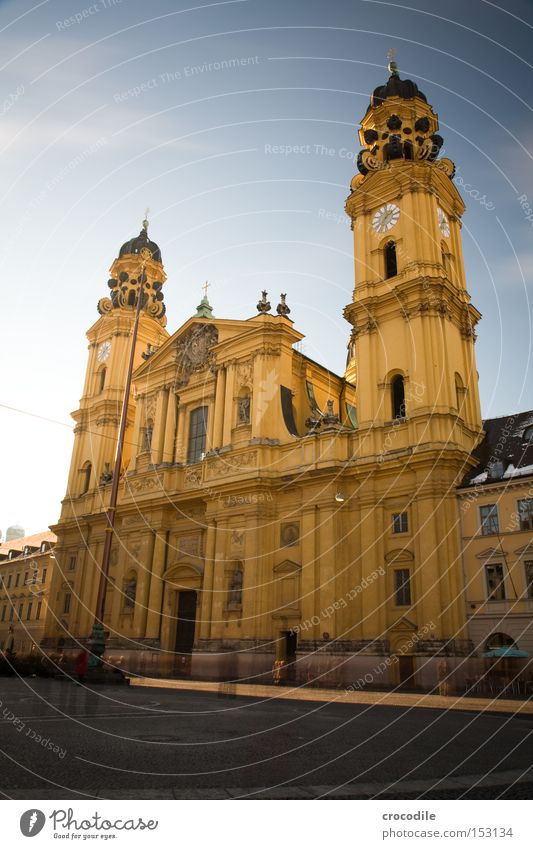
(185, 628)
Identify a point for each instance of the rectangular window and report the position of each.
(66, 603)
(525, 511)
(26, 576)
(197, 434)
(21, 606)
(9, 580)
(11, 612)
(400, 524)
(495, 584)
(528, 566)
(72, 563)
(17, 578)
(4, 611)
(38, 612)
(489, 519)
(43, 579)
(402, 587)
(28, 612)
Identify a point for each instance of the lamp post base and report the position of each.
(96, 646)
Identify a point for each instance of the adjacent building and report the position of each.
(26, 567)
(496, 512)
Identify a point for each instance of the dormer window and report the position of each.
(528, 434)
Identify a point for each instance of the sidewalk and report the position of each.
(387, 699)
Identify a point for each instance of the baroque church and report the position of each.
(269, 509)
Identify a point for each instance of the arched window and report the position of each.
(391, 266)
(408, 149)
(235, 587)
(101, 379)
(197, 434)
(86, 473)
(398, 397)
(499, 640)
(130, 592)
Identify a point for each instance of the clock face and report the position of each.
(443, 222)
(385, 218)
(104, 351)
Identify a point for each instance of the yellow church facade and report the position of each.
(269, 509)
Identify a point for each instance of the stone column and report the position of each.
(143, 585)
(218, 417)
(204, 632)
(136, 436)
(170, 428)
(228, 405)
(159, 426)
(155, 595)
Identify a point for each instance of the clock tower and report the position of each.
(98, 416)
(411, 356)
(412, 345)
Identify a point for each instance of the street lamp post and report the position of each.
(97, 639)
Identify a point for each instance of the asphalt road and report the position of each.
(59, 740)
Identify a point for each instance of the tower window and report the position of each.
(197, 434)
(398, 397)
(400, 523)
(86, 473)
(402, 587)
(101, 379)
(66, 602)
(391, 266)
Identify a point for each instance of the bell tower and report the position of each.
(98, 417)
(411, 350)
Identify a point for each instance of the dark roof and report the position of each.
(395, 87)
(135, 246)
(504, 451)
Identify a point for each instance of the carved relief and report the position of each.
(189, 545)
(289, 534)
(193, 351)
(193, 477)
(245, 374)
(220, 468)
(144, 484)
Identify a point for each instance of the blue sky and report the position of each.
(109, 107)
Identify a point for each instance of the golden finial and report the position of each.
(146, 222)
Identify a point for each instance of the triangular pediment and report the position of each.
(196, 338)
(404, 624)
(488, 553)
(399, 555)
(525, 549)
(287, 567)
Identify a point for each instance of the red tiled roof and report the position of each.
(33, 541)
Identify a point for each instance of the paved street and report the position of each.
(59, 740)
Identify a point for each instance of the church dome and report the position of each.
(135, 246)
(395, 87)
